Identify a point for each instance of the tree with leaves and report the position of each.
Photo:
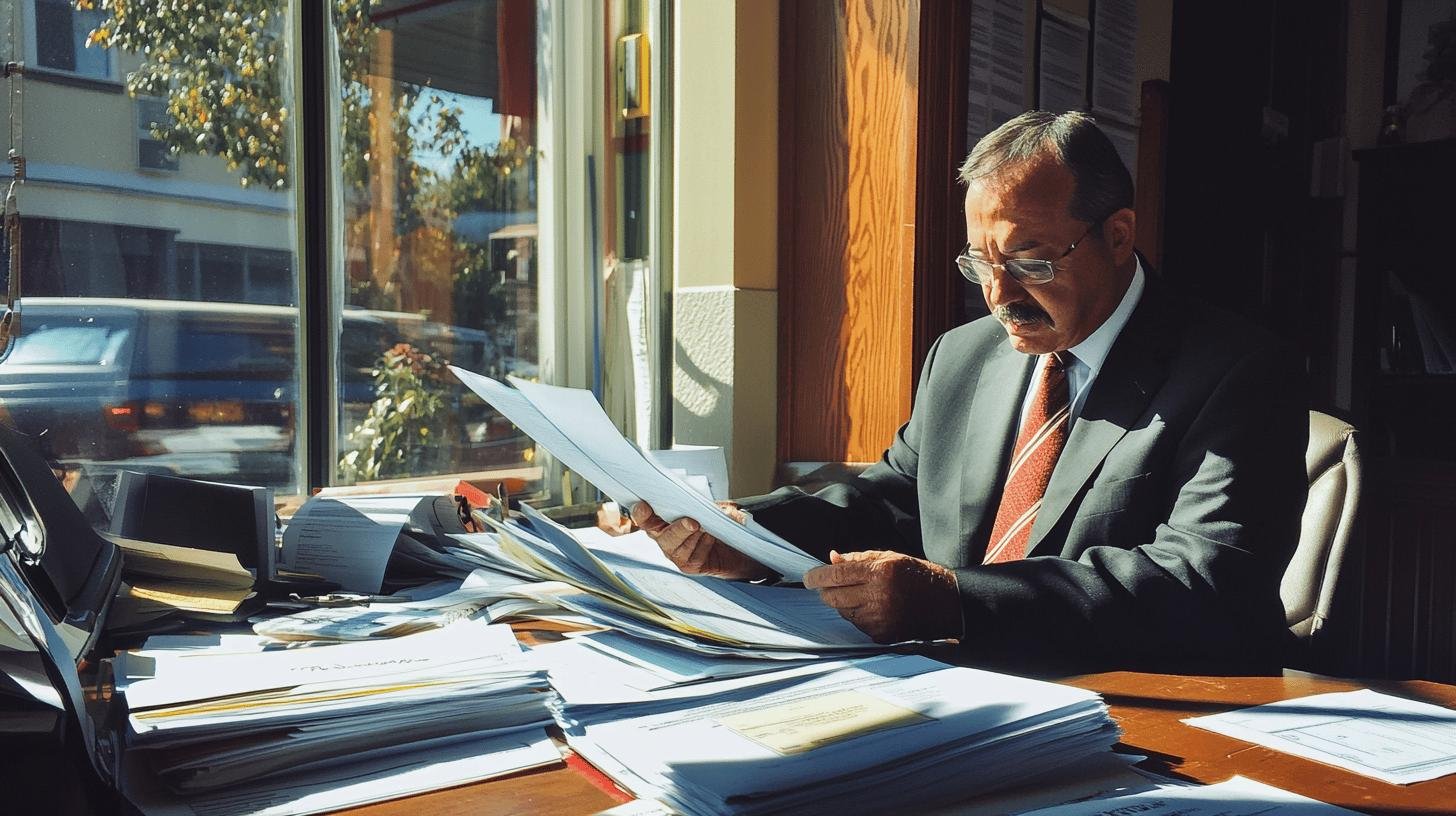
(221, 66)
(218, 64)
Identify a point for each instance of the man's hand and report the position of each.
(693, 550)
(890, 596)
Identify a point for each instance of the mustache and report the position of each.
(1021, 312)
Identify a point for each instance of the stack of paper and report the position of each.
(207, 720)
(626, 583)
(163, 579)
(416, 610)
(352, 540)
(604, 675)
(860, 736)
(570, 424)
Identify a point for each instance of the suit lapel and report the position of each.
(990, 431)
(1131, 374)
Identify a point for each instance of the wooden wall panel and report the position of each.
(945, 34)
(847, 210)
(1396, 612)
(1152, 162)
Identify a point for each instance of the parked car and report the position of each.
(210, 390)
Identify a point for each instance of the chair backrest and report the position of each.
(1333, 463)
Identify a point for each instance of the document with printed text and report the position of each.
(1388, 738)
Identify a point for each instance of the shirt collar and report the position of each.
(1094, 350)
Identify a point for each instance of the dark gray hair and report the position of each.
(1073, 139)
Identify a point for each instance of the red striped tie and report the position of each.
(1043, 435)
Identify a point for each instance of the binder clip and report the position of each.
(500, 506)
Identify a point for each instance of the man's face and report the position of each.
(1022, 213)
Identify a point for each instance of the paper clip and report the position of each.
(467, 517)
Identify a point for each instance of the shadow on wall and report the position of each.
(702, 404)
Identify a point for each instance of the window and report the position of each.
(61, 31)
(149, 335)
(67, 343)
(153, 153)
(435, 110)
(459, 225)
(243, 274)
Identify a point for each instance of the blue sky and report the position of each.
(479, 120)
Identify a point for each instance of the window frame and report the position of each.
(570, 140)
(144, 134)
(32, 53)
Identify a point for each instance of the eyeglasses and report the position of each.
(1030, 271)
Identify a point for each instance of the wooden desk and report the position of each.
(1148, 706)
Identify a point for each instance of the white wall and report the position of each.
(725, 250)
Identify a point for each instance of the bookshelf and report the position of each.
(1405, 308)
(1400, 580)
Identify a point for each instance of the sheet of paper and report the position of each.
(803, 725)
(671, 665)
(478, 590)
(233, 674)
(707, 462)
(192, 597)
(1236, 797)
(588, 443)
(1377, 735)
(182, 563)
(558, 441)
(1004, 731)
(346, 540)
(588, 678)
(790, 618)
(1095, 776)
(214, 765)
(353, 784)
(213, 644)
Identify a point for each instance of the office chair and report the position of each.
(1333, 463)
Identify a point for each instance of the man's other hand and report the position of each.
(890, 596)
(694, 551)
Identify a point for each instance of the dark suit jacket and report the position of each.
(1169, 519)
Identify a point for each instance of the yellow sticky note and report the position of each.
(803, 725)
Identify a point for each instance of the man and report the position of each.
(1097, 474)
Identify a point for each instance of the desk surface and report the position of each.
(1149, 708)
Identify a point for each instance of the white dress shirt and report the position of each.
(1089, 355)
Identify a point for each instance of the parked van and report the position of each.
(210, 390)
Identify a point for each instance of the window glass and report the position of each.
(220, 272)
(435, 117)
(59, 341)
(157, 331)
(61, 32)
(152, 118)
(244, 344)
(160, 327)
